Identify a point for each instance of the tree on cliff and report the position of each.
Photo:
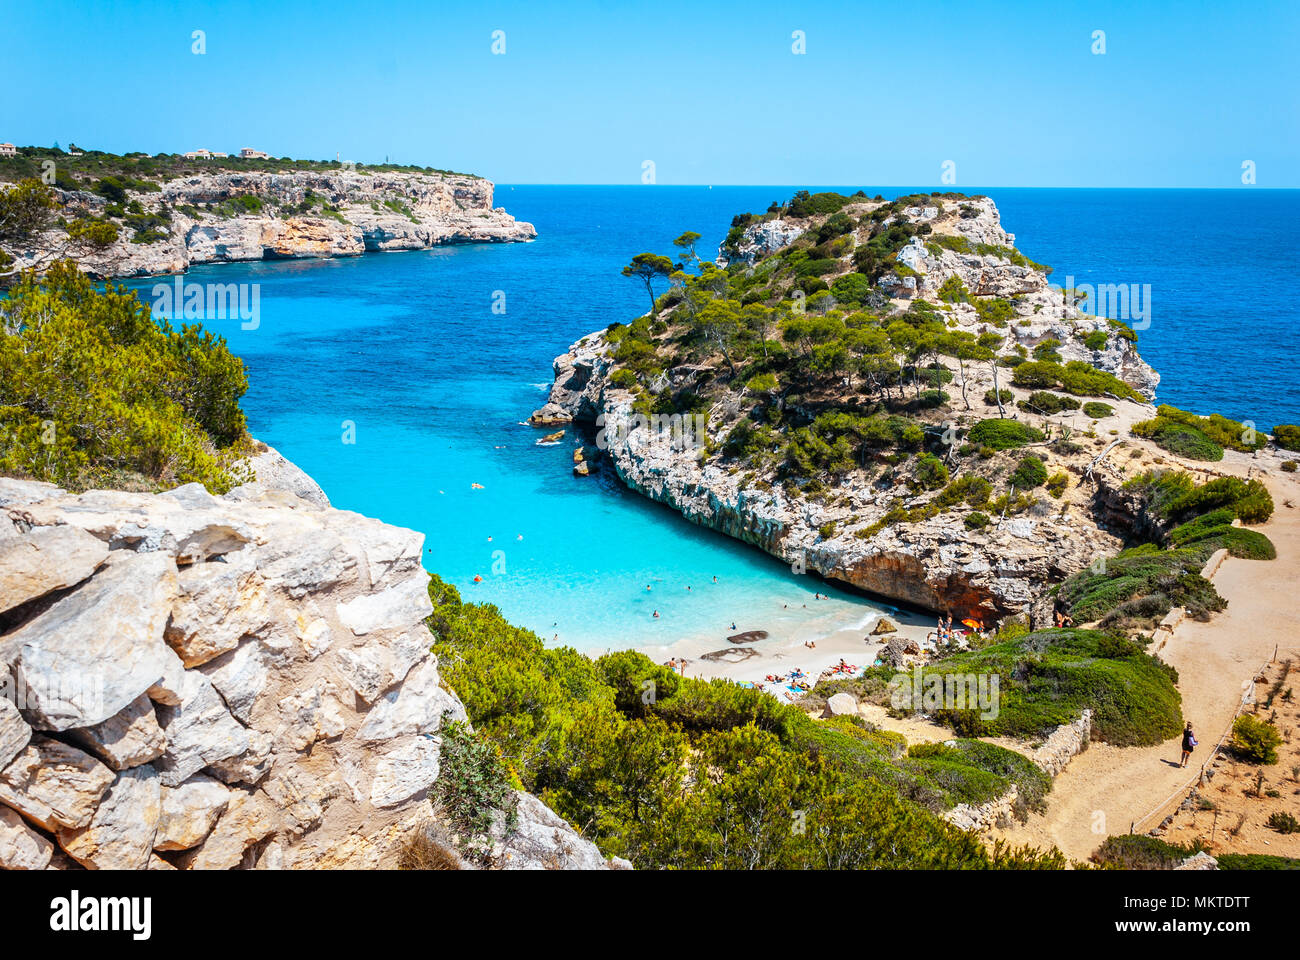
(990, 341)
(687, 243)
(27, 212)
(649, 267)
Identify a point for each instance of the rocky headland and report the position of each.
(870, 523)
(226, 216)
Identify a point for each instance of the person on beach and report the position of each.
(656, 614)
(1189, 743)
(715, 579)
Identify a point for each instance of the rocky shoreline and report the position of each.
(367, 212)
(936, 564)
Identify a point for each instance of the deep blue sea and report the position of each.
(406, 348)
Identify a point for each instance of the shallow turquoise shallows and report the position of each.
(404, 353)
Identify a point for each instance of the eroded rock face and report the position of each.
(373, 212)
(255, 683)
(49, 559)
(98, 649)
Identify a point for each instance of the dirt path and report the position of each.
(1106, 788)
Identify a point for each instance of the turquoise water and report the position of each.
(406, 348)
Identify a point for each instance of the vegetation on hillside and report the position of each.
(675, 772)
(821, 374)
(144, 172)
(1198, 438)
(1136, 588)
(1048, 677)
(94, 391)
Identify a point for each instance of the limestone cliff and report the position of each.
(938, 563)
(203, 682)
(305, 214)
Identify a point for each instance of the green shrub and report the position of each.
(991, 397)
(1288, 466)
(1283, 822)
(976, 520)
(1029, 473)
(970, 488)
(1047, 677)
(1001, 434)
(1254, 740)
(1141, 583)
(1176, 430)
(1249, 500)
(1096, 340)
(1097, 410)
(930, 472)
(1135, 851)
(1058, 483)
(953, 290)
(1179, 438)
(1287, 436)
(96, 392)
(1256, 861)
(1076, 377)
(473, 785)
(1043, 402)
(623, 378)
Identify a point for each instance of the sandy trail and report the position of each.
(1104, 790)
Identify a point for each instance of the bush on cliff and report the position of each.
(1081, 379)
(96, 392)
(1003, 434)
(1198, 438)
(1287, 436)
(1029, 473)
(1254, 740)
(1044, 402)
(1135, 851)
(1140, 585)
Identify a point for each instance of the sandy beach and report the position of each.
(842, 631)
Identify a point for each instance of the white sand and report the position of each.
(844, 631)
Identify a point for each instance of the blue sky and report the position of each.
(712, 93)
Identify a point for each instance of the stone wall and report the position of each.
(1061, 746)
(984, 816)
(1064, 744)
(203, 682)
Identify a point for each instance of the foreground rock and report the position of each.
(247, 681)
